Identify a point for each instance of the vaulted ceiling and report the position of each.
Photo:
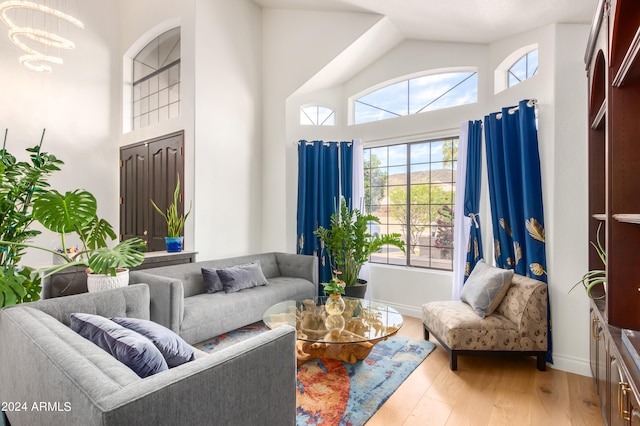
(468, 21)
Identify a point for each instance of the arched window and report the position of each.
(525, 67)
(415, 95)
(156, 80)
(316, 115)
(516, 67)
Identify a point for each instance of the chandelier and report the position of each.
(26, 35)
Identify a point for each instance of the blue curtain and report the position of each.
(319, 175)
(472, 195)
(346, 173)
(515, 189)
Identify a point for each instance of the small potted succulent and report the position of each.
(334, 289)
(175, 222)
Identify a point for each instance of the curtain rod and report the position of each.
(349, 143)
(530, 103)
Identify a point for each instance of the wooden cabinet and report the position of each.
(613, 70)
(615, 374)
(149, 171)
(74, 280)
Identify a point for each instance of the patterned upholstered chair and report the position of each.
(518, 325)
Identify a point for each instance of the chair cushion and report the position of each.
(459, 327)
(485, 288)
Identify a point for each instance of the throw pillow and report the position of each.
(485, 288)
(212, 283)
(130, 348)
(172, 347)
(241, 277)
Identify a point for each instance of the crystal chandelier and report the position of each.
(24, 36)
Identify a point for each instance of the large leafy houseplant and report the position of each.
(76, 211)
(349, 243)
(21, 183)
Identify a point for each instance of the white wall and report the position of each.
(75, 103)
(228, 125)
(559, 87)
(220, 113)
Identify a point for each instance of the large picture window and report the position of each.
(411, 188)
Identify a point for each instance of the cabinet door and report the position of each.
(624, 404)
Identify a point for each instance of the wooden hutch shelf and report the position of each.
(613, 71)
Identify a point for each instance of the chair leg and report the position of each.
(453, 361)
(541, 361)
(426, 333)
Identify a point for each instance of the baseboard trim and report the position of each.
(411, 311)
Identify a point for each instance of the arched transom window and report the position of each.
(316, 115)
(416, 95)
(156, 80)
(525, 67)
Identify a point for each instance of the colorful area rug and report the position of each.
(336, 393)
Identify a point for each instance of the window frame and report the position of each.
(173, 88)
(352, 100)
(412, 259)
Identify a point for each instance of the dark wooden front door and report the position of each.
(149, 170)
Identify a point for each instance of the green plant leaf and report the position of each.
(65, 213)
(95, 233)
(126, 254)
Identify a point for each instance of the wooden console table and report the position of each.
(74, 280)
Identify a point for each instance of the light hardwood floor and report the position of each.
(487, 391)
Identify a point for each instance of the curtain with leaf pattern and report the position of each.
(515, 191)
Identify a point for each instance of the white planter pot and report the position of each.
(99, 282)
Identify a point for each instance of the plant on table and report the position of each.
(349, 243)
(597, 276)
(335, 286)
(175, 221)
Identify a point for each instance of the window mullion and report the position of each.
(408, 206)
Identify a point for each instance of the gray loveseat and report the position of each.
(179, 300)
(49, 375)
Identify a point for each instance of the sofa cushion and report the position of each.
(132, 349)
(485, 288)
(211, 279)
(173, 348)
(241, 277)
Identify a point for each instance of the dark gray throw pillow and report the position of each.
(130, 348)
(240, 277)
(485, 288)
(173, 348)
(212, 283)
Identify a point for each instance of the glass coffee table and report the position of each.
(347, 337)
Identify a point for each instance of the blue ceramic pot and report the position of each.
(174, 244)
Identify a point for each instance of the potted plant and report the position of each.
(349, 244)
(175, 221)
(20, 184)
(598, 276)
(75, 211)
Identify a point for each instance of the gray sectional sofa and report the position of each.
(180, 303)
(52, 376)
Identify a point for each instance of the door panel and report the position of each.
(149, 171)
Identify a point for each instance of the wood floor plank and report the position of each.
(487, 391)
